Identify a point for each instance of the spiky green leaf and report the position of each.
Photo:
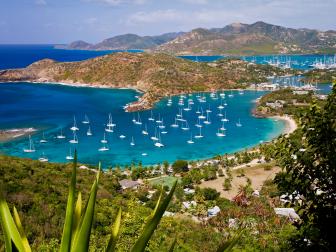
(20, 229)
(152, 223)
(82, 237)
(67, 228)
(115, 232)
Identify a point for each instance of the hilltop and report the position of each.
(124, 42)
(251, 39)
(233, 39)
(157, 75)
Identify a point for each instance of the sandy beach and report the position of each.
(291, 125)
(11, 134)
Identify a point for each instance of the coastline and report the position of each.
(8, 135)
(290, 124)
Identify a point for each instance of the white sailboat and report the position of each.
(207, 121)
(190, 141)
(70, 156)
(162, 126)
(60, 136)
(220, 132)
(187, 108)
(104, 139)
(174, 125)
(103, 148)
(158, 143)
(185, 126)
(122, 136)
(231, 94)
(110, 122)
(31, 146)
(198, 124)
(158, 120)
(225, 118)
(200, 134)
(238, 124)
(198, 111)
(132, 143)
(155, 138)
(145, 132)
(75, 139)
(86, 120)
(43, 158)
(144, 154)
(74, 127)
(151, 118)
(43, 140)
(89, 132)
(201, 116)
(138, 121)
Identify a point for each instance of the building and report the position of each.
(129, 184)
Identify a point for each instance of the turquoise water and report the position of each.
(52, 107)
(303, 62)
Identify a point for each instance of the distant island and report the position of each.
(235, 39)
(157, 75)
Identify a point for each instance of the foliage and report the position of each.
(180, 166)
(308, 159)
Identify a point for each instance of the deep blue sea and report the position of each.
(50, 108)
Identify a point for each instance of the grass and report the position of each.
(164, 181)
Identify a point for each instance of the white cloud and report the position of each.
(40, 2)
(282, 12)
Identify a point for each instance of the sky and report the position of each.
(64, 21)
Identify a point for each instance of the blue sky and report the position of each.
(63, 21)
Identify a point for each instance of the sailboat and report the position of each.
(190, 141)
(43, 140)
(61, 136)
(70, 156)
(208, 110)
(161, 126)
(207, 121)
(104, 139)
(238, 124)
(132, 143)
(200, 134)
(198, 111)
(201, 116)
(154, 138)
(187, 108)
(198, 124)
(158, 120)
(110, 121)
(220, 132)
(158, 143)
(31, 146)
(221, 105)
(151, 118)
(145, 132)
(241, 92)
(89, 132)
(225, 119)
(231, 94)
(138, 122)
(220, 114)
(174, 125)
(122, 136)
(86, 120)
(185, 126)
(43, 158)
(74, 127)
(75, 139)
(103, 148)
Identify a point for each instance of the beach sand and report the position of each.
(290, 124)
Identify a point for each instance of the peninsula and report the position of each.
(156, 75)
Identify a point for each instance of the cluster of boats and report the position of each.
(201, 113)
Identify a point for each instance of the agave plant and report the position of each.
(78, 222)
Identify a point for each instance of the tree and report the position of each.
(308, 159)
(180, 166)
(209, 193)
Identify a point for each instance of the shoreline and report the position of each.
(8, 135)
(290, 124)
